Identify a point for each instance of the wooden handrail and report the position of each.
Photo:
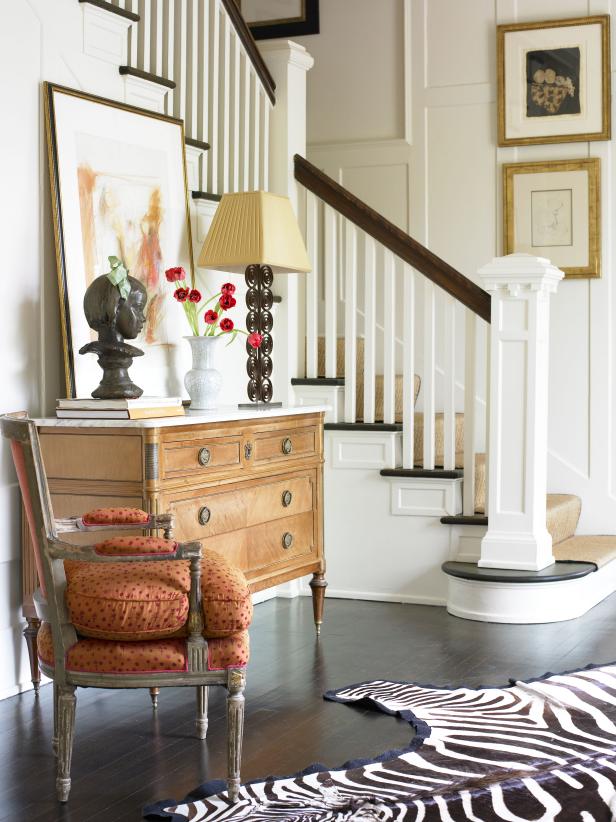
(393, 238)
(248, 41)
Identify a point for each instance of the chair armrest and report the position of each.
(72, 525)
(58, 549)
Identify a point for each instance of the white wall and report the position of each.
(450, 199)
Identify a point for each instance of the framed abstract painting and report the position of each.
(554, 81)
(553, 209)
(118, 185)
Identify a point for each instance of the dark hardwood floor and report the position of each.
(125, 755)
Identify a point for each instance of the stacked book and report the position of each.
(139, 409)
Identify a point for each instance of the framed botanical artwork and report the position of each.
(553, 210)
(554, 81)
(118, 184)
(280, 18)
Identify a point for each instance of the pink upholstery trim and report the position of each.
(20, 467)
(136, 526)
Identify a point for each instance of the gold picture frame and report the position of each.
(156, 144)
(554, 81)
(553, 209)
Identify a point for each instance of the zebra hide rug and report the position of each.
(540, 750)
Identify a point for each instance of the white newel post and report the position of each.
(288, 63)
(517, 537)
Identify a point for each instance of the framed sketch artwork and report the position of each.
(118, 186)
(552, 210)
(280, 18)
(554, 81)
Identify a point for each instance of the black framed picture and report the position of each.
(268, 19)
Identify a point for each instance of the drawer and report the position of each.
(211, 512)
(285, 445)
(271, 544)
(202, 456)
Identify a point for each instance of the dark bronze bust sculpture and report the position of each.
(114, 306)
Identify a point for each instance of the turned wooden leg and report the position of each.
(318, 585)
(235, 730)
(54, 738)
(154, 697)
(30, 633)
(202, 695)
(66, 732)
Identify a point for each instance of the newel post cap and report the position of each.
(515, 272)
(287, 51)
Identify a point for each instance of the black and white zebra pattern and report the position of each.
(542, 750)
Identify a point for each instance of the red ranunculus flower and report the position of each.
(227, 301)
(194, 296)
(228, 288)
(181, 294)
(210, 317)
(173, 275)
(255, 339)
(226, 324)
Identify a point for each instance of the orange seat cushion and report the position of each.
(135, 546)
(115, 516)
(149, 600)
(151, 656)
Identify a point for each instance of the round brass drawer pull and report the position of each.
(287, 498)
(287, 540)
(287, 446)
(204, 456)
(204, 515)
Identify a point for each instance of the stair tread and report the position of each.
(598, 549)
(557, 572)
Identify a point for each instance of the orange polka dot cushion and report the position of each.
(136, 546)
(115, 516)
(127, 601)
(153, 656)
(149, 600)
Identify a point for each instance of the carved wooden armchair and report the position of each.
(130, 611)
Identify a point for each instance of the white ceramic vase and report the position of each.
(203, 382)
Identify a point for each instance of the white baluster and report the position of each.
(133, 33)
(408, 368)
(235, 112)
(192, 69)
(204, 85)
(470, 390)
(214, 81)
(331, 301)
(265, 120)
(255, 120)
(179, 59)
(369, 328)
(449, 384)
(350, 324)
(145, 34)
(428, 379)
(168, 48)
(389, 338)
(225, 103)
(245, 123)
(312, 285)
(158, 36)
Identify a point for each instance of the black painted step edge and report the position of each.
(146, 75)
(190, 141)
(454, 569)
(103, 4)
(363, 426)
(477, 519)
(436, 473)
(317, 381)
(206, 195)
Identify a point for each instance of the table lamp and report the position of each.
(256, 233)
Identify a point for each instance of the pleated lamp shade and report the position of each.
(254, 228)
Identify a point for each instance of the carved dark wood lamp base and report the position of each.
(256, 232)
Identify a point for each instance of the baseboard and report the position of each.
(24, 687)
(377, 596)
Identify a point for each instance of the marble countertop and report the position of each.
(223, 414)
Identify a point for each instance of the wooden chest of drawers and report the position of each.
(248, 487)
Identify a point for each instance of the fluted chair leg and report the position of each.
(202, 721)
(154, 692)
(54, 738)
(66, 731)
(235, 731)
